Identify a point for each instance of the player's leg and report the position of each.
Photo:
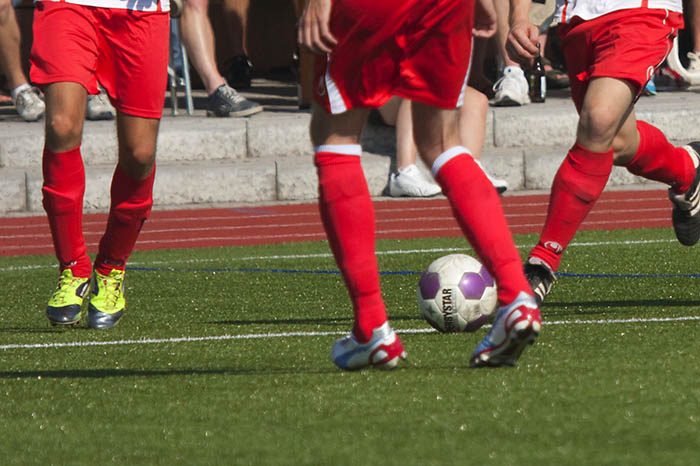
(135, 84)
(476, 205)
(348, 218)
(581, 178)
(472, 127)
(61, 58)
(63, 189)
(27, 100)
(131, 200)
(644, 150)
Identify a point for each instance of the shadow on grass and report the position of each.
(604, 307)
(326, 322)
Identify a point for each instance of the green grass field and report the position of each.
(612, 380)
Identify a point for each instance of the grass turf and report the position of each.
(586, 393)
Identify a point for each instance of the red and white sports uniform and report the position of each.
(417, 49)
(121, 44)
(624, 39)
(589, 9)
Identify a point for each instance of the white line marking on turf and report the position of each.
(253, 336)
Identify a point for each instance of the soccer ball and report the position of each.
(456, 294)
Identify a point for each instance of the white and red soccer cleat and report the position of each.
(383, 350)
(515, 326)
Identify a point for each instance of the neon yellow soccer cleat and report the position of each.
(106, 299)
(65, 305)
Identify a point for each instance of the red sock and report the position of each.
(131, 203)
(577, 186)
(348, 217)
(478, 210)
(63, 189)
(659, 160)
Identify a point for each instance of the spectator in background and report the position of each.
(238, 68)
(407, 179)
(27, 99)
(511, 88)
(198, 38)
(692, 17)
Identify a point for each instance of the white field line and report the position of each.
(328, 255)
(254, 336)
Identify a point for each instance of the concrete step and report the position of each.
(268, 157)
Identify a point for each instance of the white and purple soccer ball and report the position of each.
(457, 294)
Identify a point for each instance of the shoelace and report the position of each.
(230, 93)
(65, 286)
(497, 85)
(113, 292)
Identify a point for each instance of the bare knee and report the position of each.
(137, 159)
(63, 131)
(597, 128)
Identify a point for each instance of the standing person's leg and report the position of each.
(239, 68)
(511, 88)
(135, 83)
(472, 129)
(26, 98)
(407, 179)
(197, 36)
(62, 58)
(63, 190)
(131, 195)
(348, 218)
(692, 8)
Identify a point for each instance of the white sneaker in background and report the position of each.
(411, 182)
(512, 88)
(99, 107)
(693, 62)
(29, 103)
(500, 185)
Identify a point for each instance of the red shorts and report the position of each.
(626, 44)
(417, 49)
(125, 50)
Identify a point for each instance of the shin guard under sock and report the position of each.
(130, 206)
(348, 218)
(63, 190)
(659, 160)
(578, 184)
(477, 207)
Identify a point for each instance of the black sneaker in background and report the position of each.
(239, 72)
(225, 101)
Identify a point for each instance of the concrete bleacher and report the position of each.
(268, 157)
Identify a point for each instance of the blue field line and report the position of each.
(629, 275)
(395, 272)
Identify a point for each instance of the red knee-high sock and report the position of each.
(348, 217)
(659, 160)
(478, 210)
(130, 205)
(577, 186)
(63, 189)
